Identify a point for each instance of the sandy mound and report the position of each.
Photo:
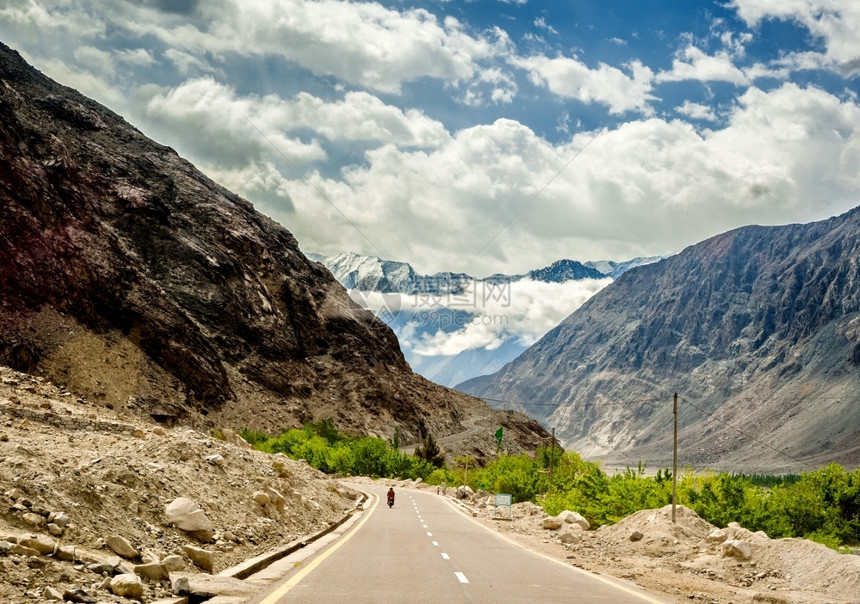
(688, 560)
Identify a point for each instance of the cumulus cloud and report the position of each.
(227, 128)
(362, 43)
(571, 78)
(647, 186)
(693, 64)
(484, 317)
(531, 309)
(697, 111)
(836, 22)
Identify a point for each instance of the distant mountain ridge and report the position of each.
(369, 273)
(759, 327)
(413, 293)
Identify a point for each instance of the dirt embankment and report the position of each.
(78, 476)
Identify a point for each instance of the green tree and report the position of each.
(430, 452)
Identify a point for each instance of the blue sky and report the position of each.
(483, 136)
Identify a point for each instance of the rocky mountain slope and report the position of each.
(758, 329)
(131, 279)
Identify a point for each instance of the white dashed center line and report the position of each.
(445, 556)
(461, 577)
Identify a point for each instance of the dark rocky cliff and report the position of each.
(132, 279)
(759, 327)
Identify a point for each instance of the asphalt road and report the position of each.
(426, 550)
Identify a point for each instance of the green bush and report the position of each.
(823, 505)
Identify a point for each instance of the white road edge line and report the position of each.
(276, 595)
(643, 596)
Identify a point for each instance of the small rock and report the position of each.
(551, 523)
(180, 585)
(159, 431)
(569, 517)
(738, 549)
(121, 546)
(215, 460)
(61, 519)
(717, 536)
(65, 553)
(55, 530)
(41, 543)
(49, 593)
(134, 507)
(34, 519)
(275, 497)
(127, 586)
(261, 498)
(173, 563)
(569, 537)
(636, 536)
(23, 550)
(154, 571)
(201, 557)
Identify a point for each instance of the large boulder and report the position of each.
(186, 515)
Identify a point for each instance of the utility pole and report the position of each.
(551, 456)
(675, 456)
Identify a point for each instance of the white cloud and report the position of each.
(697, 111)
(223, 129)
(96, 60)
(39, 21)
(187, 63)
(693, 64)
(530, 310)
(836, 22)
(361, 43)
(607, 85)
(500, 195)
(541, 23)
(135, 56)
(228, 130)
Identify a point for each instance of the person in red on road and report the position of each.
(391, 497)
